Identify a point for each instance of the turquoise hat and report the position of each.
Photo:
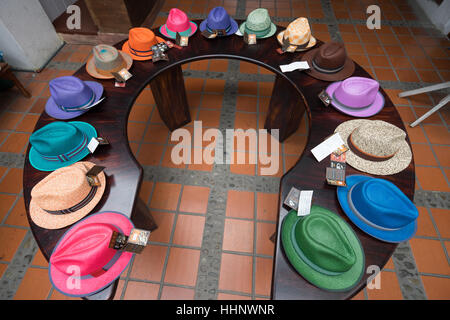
(259, 23)
(60, 144)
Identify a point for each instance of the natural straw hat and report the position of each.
(65, 196)
(105, 60)
(375, 146)
(298, 34)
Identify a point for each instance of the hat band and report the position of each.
(227, 29)
(184, 33)
(68, 155)
(364, 155)
(326, 70)
(140, 53)
(348, 107)
(78, 206)
(360, 216)
(258, 33)
(83, 106)
(297, 46)
(305, 259)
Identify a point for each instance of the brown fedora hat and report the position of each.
(329, 62)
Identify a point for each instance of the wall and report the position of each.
(438, 14)
(54, 8)
(27, 37)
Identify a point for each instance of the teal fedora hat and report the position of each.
(323, 249)
(60, 144)
(259, 23)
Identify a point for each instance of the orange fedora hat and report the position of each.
(140, 42)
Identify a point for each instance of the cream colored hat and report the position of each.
(105, 60)
(298, 34)
(65, 196)
(375, 146)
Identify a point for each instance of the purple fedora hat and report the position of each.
(356, 96)
(71, 97)
(219, 19)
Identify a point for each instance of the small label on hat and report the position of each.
(135, 242)
(122, 75)
(159, 55)
(287, 47)
(328, 146)
(297, 65)
(325, 98)
(249, 38)
(335, 174)
(182, 41)
(209, 35)
(304, 203)
(92, 176)
(291, 200)
(160, 46)
(95, 142)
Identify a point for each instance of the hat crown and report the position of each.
(141, 39)
(87, 248)
(106, 57)
(382, 204)
(331, 55)
(56, 138)
(177, 21)
(258, 20)
(70, 91)
(324, 243)
(62, 189)
(378, 139)
(218, 18)
(298, 31)
(357, 92)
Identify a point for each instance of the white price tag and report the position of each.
(297, 65)
(304, 203)
(93, 144)
(331, 144)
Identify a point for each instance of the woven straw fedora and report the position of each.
(375, 146)
(258, 23)
(219, 19)
(65, 196)
(323, 248)
(298, 34)
(82, 263)
(140, 42)
(178, 21)
(105, 60)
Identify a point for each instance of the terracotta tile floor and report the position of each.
(404, 53)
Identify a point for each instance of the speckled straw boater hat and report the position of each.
(105, 60)
(298, 35)
(65, 196)
(258, 23)
(324, 249)
(375, 146)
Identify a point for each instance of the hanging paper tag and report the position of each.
(209, 35)
(297, 65)
(325, 98)
(181, 40)
(335, 174)
(249, 38)
(328, 146)
(118, 241)
(304, 203)
(95, 142)
(135, 242)
(160, 46)
(159, 55)
(291, 200)
(92, 176)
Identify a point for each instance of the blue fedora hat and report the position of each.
(71, 97)
(60, 144)
(219, 19)
(379, 208)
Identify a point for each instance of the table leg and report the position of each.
(141, 216)
(285, 110)
(10, 75)
(170, 97)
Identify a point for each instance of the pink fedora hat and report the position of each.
(177, 21)
(82, 262)
(356, 96)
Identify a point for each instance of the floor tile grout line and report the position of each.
(3, 222)
(436, 229)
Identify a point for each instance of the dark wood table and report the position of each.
(293, 93)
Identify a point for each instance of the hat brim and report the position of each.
(92, 70)
(163, 30)
(311, 44)
(347, 70)
(341, 282)
(44, 165)
(126, 49)
(369, 111)
(91, 285)
(273, 29)
(54, 111)
(397, 163)
(52, 221)
(394, 236)
(233, 29)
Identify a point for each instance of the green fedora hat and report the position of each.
(259, 23)
(323, 248)
(60, 144)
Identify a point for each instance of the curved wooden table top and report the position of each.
(125, 174)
